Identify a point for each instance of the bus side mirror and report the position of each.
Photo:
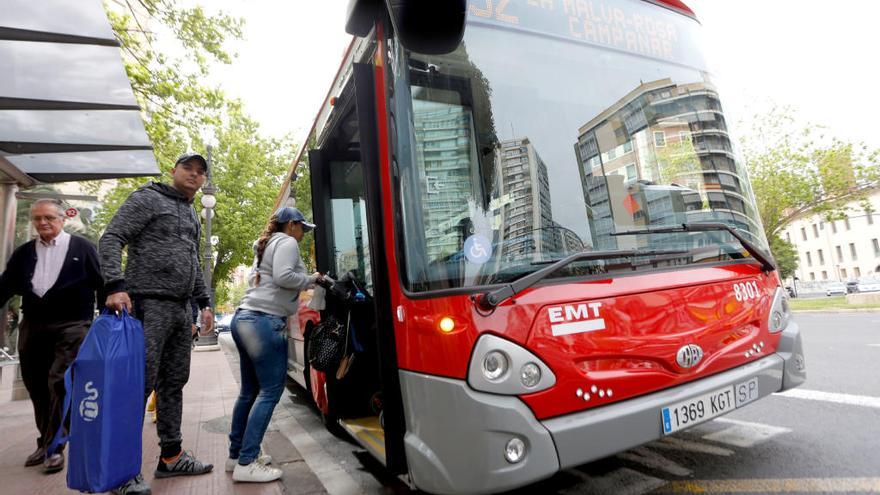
(432, 27)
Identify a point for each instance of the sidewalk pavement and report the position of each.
(208, 399)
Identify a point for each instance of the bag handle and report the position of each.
(60, 438)
(112, 312)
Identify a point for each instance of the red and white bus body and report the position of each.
(616, 126)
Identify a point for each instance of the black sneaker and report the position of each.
(185, 465)
(134, 486)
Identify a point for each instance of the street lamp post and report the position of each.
(208, 202)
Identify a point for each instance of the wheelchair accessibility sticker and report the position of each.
(477, 249)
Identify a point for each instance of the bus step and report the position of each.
(367, 432)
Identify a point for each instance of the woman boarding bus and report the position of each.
(542, 205)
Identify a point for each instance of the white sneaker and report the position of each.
(265, 459)
(255, 472)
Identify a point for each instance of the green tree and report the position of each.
(797, 170)
(248, 172)
(180, 111)
(785, 254)
(301, 192)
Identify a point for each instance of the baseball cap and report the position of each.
(290, 214)
(192, 156)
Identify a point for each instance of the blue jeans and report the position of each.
(262, 349)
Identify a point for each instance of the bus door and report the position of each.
(349, 244)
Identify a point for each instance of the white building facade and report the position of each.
(841, 250)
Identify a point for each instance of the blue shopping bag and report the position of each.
(105, 400)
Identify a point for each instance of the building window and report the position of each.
(631, 171)
(821, 225)
(628, 146)
(839, 254)
(804, 233)
(833, 227)
(815, 230)
(856, 272)
(876, 248)
(612, 154)
(809, 259)
(788, 237)
(846, 223)
(843, 273)
(659, 139)
(821, 257)
(852, 251)
(870, 217)
(812, 276)
(824, 275)
(684, 136)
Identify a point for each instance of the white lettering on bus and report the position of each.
(575, 318)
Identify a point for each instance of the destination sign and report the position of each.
(632, 26)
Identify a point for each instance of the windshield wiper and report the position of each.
(490, 300)
(756, 252)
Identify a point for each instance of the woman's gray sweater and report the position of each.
(282, 276)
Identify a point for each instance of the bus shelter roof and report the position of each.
(67, 110)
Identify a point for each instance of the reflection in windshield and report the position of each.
(522, 147)
(523, 208)
(660, 156)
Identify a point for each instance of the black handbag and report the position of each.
(326, 344)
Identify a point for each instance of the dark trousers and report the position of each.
(45, 352)
(168, 343)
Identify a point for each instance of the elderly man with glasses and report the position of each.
(58, 276)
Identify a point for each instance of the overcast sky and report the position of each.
(810, 54)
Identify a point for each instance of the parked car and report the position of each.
(835, 289)
(223, 323)
(868, 285)
(852, 286)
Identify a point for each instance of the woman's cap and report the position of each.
(290, 214)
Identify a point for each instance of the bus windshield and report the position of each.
(553, 127)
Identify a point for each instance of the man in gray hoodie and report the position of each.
(160, 227)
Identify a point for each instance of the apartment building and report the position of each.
(663, 152)
(841, 250)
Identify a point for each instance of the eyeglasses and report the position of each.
(38, 219)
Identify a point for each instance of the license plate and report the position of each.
(707, 406)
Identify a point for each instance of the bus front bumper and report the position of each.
(456, 436)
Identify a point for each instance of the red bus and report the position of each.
(549, 250)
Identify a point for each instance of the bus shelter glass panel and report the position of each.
(552, 131)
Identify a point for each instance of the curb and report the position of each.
(838, 310)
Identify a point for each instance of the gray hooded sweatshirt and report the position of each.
(162, 232)
(282, 276)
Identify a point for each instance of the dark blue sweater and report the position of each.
(73, 295)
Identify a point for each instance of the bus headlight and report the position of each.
(780, 313)
(495, 365)
(500, 366)
(530, 375)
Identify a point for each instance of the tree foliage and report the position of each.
(181, 112)
(301, 192)
(799, 170)
(785, 255)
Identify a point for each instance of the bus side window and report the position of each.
(351, 249)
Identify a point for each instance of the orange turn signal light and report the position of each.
(446, 324)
